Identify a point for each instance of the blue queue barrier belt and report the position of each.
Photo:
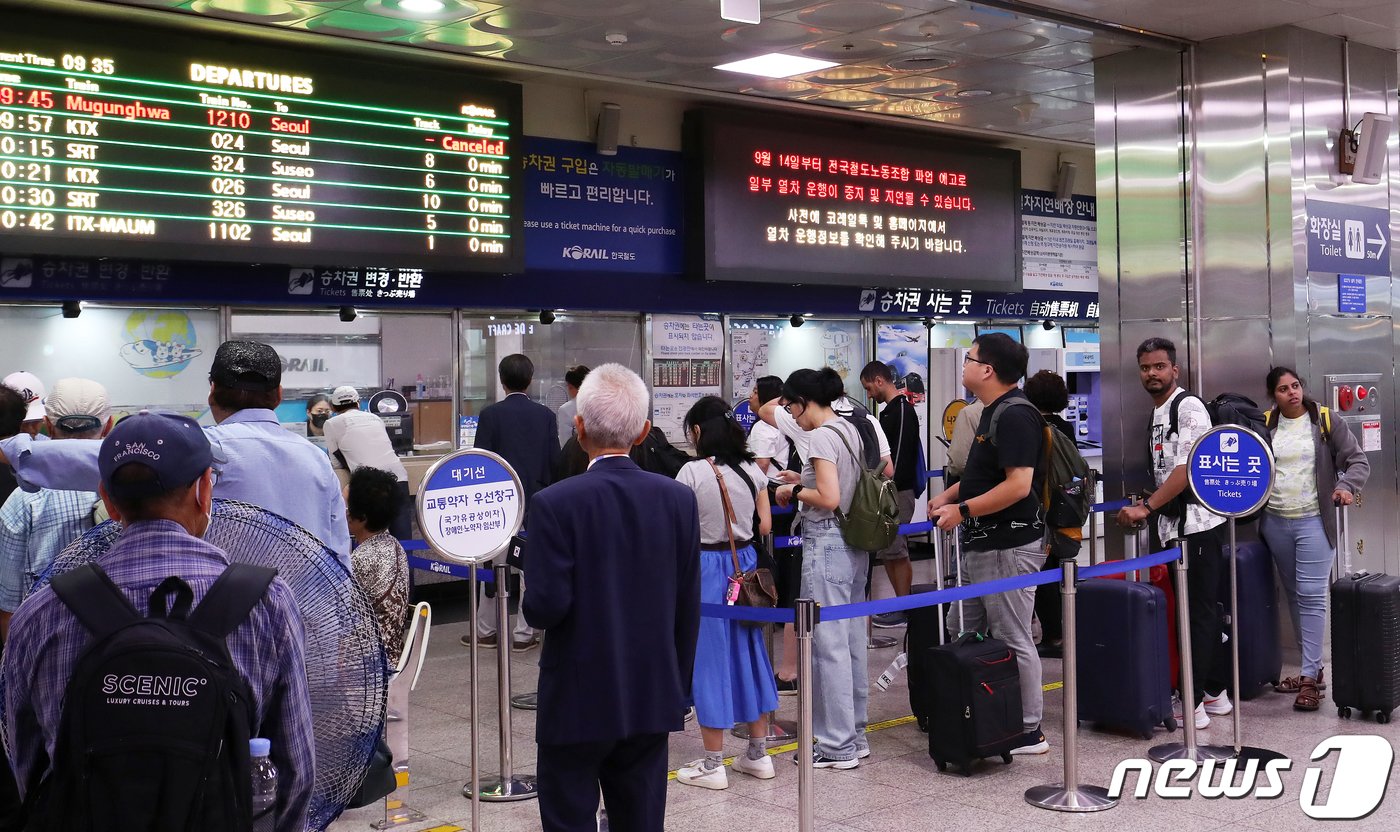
(442, 567)
(1111, 506)
(942, 596)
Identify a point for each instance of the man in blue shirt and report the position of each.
(36, 525)
(156, 480)
(267, 465)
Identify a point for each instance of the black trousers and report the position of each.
(1204, 568)
(402, 524)
(631, 773)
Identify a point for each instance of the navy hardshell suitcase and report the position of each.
(1261, 654)
(1124, 663)
(974, 702)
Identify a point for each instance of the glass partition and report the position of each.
(144, 356)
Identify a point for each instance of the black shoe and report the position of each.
(1032, 742)
(890, 620)
(786, 687)
(481, 641)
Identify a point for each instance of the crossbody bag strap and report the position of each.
(728, 516)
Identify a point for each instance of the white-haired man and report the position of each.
(613, 566)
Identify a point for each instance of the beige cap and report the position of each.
(32, 389)
(77, 397)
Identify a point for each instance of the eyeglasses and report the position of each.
(788, 407)
(968, 357)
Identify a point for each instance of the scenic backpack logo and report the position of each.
(156, 717)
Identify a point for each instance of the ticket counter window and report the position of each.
(146, 357)
(572, 339)
(774, 347)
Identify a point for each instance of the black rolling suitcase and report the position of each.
(1261, 655)
(1124, 661)
(1365, 638)
(921, 636)
(974, 702)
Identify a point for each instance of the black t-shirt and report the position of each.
(1020, 444)
(904, 449)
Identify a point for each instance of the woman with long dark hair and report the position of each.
(733, 679)
(1318, 463)
(833, 573)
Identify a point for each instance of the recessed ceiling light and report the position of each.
(421, 6)
(776, 65)
(973, 93)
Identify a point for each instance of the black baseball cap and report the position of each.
(246, 365)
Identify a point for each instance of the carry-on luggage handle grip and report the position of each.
(1343, 541)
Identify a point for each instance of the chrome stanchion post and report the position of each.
(473, 788)
(1093, 537)
(806, 622)
(509, 786)
(1235, 635)
(1070, 796)
(1188, 750)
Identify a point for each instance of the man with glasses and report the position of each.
(997, 505)
(36, 526)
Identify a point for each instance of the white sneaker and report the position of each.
(1219, 704)
(762, 768)
(695, 774)
(1202, 718)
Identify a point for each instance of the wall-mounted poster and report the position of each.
(1059, 242)
(904, 346)
(772, 346)
(687, 363)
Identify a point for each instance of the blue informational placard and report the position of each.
(470, 505)
(744, 415)
(1231, 470)
(1351, 293)
(586, 212)
(1353, 239)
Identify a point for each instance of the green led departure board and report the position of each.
(122, 140)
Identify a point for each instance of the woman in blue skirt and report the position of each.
(733, 679)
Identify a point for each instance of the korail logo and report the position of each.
(581, 253)
(1358, 785)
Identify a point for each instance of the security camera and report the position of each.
(72, 308)
(546, 317)
(1047, 324)
(348, 314)
(797, 320)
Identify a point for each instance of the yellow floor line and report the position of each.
(875, 726)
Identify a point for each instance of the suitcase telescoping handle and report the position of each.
(1343, 542)
(958, 561)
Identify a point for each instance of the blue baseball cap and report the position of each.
(174, 447)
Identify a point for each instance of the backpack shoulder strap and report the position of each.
(860, 460)
(97, 602)
(231, 598)
(1324, 419)
(1176, 410)
(997, 411)
(1269, 421)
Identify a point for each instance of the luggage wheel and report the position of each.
(1006, 758)
(1170, 723)
(941, 766)
(1344, 712)
(1382, 717)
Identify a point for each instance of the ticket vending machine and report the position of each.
(1356, 401)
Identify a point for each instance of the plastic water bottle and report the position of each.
(264, 786)
(418, 391)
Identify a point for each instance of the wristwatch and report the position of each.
(795, 490)
(966, 512)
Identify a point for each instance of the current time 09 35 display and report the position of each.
(226, 151)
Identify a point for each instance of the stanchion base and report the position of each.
(779, 731)
(1177, 751)
(519, 787)
(1263, 755)
(1059, 799)
(397, 814)
(881, 642)
(525, 701)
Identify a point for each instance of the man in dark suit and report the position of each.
(526, 435)
(614, 577)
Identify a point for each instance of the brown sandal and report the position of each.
(1309, 698)
(1293, 684)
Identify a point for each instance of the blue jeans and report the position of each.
(832, 574)
(1304, 561)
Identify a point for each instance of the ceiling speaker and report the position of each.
(1370, 148)
(1064, 181)
(609, 124)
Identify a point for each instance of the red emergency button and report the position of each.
(1360, 393)
(1344, 397)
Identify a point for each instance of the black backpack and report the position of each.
(1067, 484)
(1224, 409)
(156, 717)
(859, 417)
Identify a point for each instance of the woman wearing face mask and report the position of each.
(833, 573)
(318, 410)
(733, 680)
(1318, 464)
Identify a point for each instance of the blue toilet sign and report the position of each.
(1231, 470)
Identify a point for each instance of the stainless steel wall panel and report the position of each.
(1236, 356)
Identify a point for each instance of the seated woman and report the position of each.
(378, 561)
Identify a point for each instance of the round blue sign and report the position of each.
(470, 504)
(744, 415)
(1231, 470)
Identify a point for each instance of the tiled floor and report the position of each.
(898, 788)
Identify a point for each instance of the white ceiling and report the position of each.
(945, 61)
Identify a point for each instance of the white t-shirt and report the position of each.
(788, 427)
(699, 477)
(363, 439)
(1192, 420)
(767, 442)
